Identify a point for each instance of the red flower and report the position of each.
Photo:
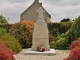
(5, 53)
(67, 58)
(75, 51)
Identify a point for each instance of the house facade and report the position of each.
(31, 13)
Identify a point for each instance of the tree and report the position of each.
(23, 32)
(2, 31)
(3, 20)
(75, 29)
(65, 20)
(74, 32)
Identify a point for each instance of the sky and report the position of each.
(58, 9)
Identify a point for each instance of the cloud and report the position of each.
(15, 1)
(58, 9)
(63, 2)
(13, 11)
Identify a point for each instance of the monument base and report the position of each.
(29, 52)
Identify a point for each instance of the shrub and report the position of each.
(62, 43)
(61, 27)
(52, 44)
(75, 44)
(6, 26)
(50, 37)
(5, 53)
(75, 51)
(57, 37)
(23, 32)
(11, 43)
(74, 31)
(29, 24)
(2, 31)
(64, 27)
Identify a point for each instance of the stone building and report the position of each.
(31, 13)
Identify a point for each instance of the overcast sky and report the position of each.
(58, 9)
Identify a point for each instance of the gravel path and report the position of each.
(60, 54)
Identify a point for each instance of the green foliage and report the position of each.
(65, 20)
(2, 31)
(3, 20)
(61, 27)
(53, 28)
(24, 36)
(62, 43)
(64, 27)
(52, 44)
(71, 35)
(57, 37)
(6, 26)
(74, 31)
(11, 42)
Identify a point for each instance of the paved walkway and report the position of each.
(60, 54)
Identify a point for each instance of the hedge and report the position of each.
(6, 26)
(61, 27)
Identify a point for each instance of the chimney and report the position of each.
(40, 4)
(36, 1)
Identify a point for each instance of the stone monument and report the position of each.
(40, 37)
(40, 33)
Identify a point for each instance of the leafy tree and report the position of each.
(75, 30)
(65, 20)
(23, 32)
(72, 34)
(2, 31)
(3, 19)
(11, 42)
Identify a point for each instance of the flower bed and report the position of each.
(5, 53)
(75, 51)
(41, 48)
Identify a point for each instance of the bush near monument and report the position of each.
(5, 53)
(61, 27)
(11, 43)
(74, 31)
(72, 34)
(2, 31)
(23, 32)
(62, 43)
(75, 50)
(52, 44)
